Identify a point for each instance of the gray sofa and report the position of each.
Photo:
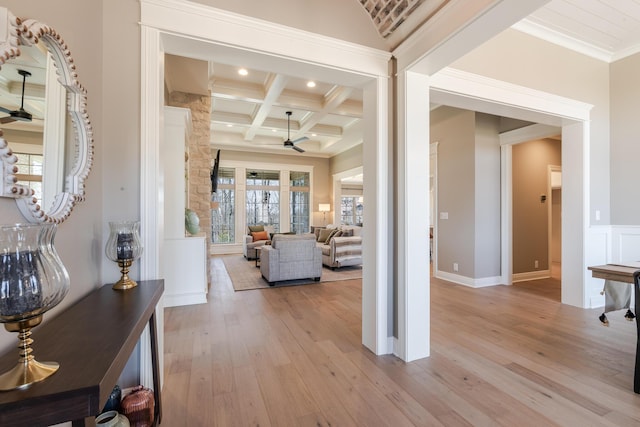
(340, 251)
(291, 257)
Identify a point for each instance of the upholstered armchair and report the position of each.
(257, 235)
(291, 257)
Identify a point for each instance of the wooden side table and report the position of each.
(92, 341)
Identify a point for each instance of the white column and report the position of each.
(575, 213)
(413, 216)
(151, 185)
(377, 282)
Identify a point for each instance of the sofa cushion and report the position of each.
(326, 250)
(333, 233)
(259, 235)
(347, 232)
(323, 234)
(254, 228)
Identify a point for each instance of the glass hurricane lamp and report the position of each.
(124, 247)
(33, 280)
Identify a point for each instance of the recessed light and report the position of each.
(274, 130)
(229, 125)
(243, 71)
(311, 83)
(314, 134)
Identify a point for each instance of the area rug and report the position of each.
(245, 275)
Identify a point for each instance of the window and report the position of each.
(30, 172)
(263, 198)
(299, 201)
(351, 208)
(223, 208)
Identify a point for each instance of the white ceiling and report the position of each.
(608, 30)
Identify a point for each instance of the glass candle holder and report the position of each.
(33, 280)
(124, 247)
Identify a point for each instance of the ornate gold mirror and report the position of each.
(46, 145)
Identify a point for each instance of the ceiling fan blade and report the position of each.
(7, 119)
(296, 141)
(298, 149)
(5, 110)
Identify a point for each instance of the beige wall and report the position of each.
(625, 135)
(521, 59)
(347, 160)
(487, 196)
(468, 192)
(79, 240)
(454, 130)
(530, 215)
(351, 24)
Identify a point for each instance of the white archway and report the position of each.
(477, 93)
(213, 33)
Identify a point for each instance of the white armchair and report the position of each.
(249, 244)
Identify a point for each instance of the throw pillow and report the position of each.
(260, 235)
(324, 234)
(347, 233)
(253, 228)
(338, 233)
(333, 233)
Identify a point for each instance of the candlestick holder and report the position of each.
(124, 247)
(33, 280)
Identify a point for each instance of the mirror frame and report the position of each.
(14, 33)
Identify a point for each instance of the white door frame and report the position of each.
(478, 93)
(206, 33)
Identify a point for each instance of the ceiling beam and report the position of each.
(275, 85)
(333, 99)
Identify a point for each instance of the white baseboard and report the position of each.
(596, 301)
(177, 300)
(531, 275)
(482, 282)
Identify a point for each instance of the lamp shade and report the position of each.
(324, 207)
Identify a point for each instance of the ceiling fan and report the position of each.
(21, 114)
(289, 143)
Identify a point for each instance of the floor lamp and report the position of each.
(324, 208)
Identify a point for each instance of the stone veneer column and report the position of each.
(199, 150)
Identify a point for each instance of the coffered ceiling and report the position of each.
(249, 111)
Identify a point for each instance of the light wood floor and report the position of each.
(508, 356)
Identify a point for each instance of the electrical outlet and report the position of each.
(535, 264)
(455, 266)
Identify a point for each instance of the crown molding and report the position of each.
(231, 29)
(475, 86)
(544, 33)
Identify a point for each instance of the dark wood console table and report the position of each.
(92, 341)
(625, 274)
